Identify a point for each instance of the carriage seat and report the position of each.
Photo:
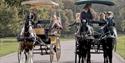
(41, 33)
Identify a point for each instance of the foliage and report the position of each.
(43, 13)
(8, 21)
(16, 3)
(12, 14)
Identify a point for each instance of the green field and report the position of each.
(121, 45)
(7, 46)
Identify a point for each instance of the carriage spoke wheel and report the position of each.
(51, 53)
(58, 49)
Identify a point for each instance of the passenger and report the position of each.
(77, 17)
(102, 22)
(111, 23)
(77, 22)
(110, 18)
(56, 25)
(56, 22)
(88, 13)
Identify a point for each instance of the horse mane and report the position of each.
(26, 29)
(83, 28)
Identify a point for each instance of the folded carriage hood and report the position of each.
(105, 2)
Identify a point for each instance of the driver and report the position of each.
(88, 13)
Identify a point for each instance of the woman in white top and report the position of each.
(56, 25)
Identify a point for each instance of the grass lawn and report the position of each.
(121, 45)
(8, 46)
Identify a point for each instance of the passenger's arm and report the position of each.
(81, 16)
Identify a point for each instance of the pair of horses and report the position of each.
(85, 39)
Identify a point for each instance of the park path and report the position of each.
(66, 57)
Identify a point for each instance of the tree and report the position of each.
(9, 20)
(69, 14)
(15, 3)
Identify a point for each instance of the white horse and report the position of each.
(25, 54)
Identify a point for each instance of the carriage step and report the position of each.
(96, 52)
(42, 49)
(42, 45)
(41, 53)
(92, 52)
(36, 49)
(96, 49)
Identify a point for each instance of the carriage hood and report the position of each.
(105, 2)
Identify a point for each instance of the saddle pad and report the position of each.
(39, 31)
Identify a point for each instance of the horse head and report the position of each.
(110, 31)
(27, 31)
(85, 30)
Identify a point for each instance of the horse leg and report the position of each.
(105, 60)
(30, 56)
(111, 50)
(110, 56)
(88, 57)
(105, 57)
(22, 57)
(82, 59)
(79, 59)
(88, 52)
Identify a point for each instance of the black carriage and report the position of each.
(94, 43)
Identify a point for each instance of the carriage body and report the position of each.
(44, 43)
(41, 32)
(96, 45)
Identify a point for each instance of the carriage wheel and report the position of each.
(58, 49)
(51, 53)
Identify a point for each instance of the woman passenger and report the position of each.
(56, 24)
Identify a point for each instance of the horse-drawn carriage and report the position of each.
(90, 41)
(35, 39)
